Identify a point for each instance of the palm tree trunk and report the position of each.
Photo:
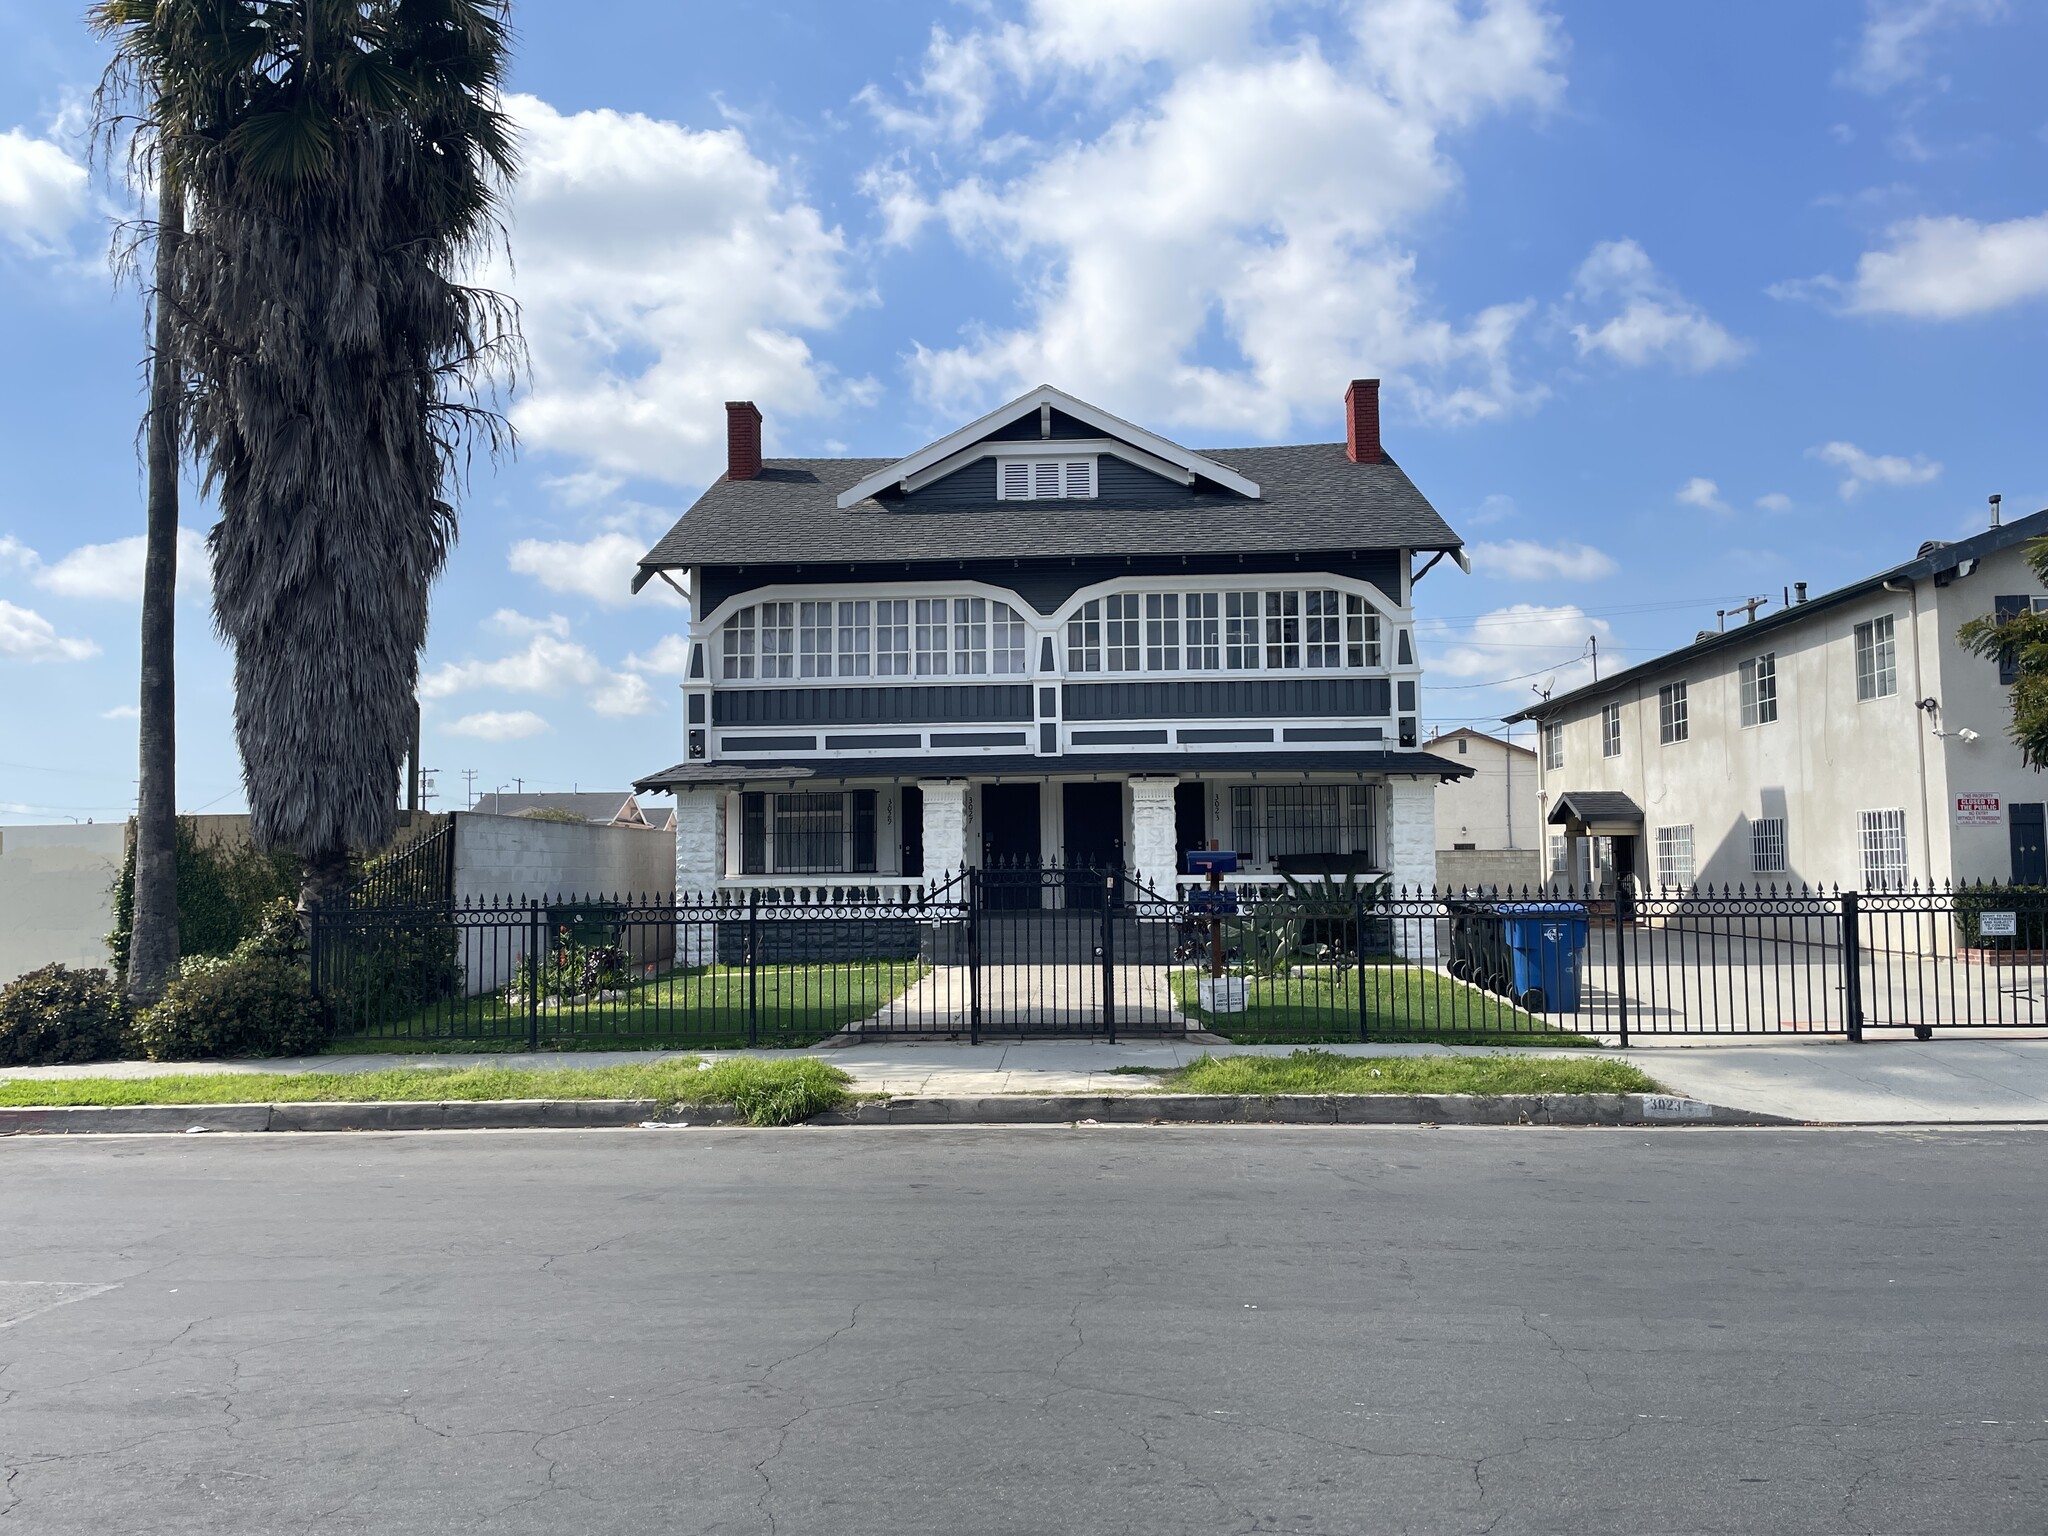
(153, 944)
(323, 877)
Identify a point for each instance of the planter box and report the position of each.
(1221, 994)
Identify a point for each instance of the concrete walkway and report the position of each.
(1906, 1082)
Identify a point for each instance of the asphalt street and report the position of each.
(1084, 1329)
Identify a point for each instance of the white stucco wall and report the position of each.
(57, 895)
(1154, 859)
(1495, 809)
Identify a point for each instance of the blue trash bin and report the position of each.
(1545, 940)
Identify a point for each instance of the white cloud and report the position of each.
(1703, 493)
(600, 569)
(1861, 469)
(667, 657)
(1775, 501)
(1242, 185)
(663, 271)
(510, 621)
(1654, 322)
(1947, 268)
(113, 570)
(1526, 560)
(26, 634)
(43, 192)
(1892, 48)
(1511, 653)
(499, 725)
(550, 664)
(121, 712)
(622, 694)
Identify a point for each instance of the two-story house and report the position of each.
(1847, 740)
(1051, 636)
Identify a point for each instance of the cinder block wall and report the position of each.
(1473, 869)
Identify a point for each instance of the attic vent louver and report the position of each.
(1045, 479)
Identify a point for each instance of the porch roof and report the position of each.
(1600, 812)
(1021, 765)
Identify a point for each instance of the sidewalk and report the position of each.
(1906, 1082)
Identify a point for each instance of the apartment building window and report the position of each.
(1560, 856)
(1760, 689)
(1162, 631)
(1553, 745)
(1877, 665)
(808, 832)
(1241, 631)
(1324, 629)
(1204, 631)
(1767, 845)
(1673, 723)
(1882, 837)
(854, 630)
(892, 637)
(1283, 629)
(1610, 730)
(1120, 632)
(1009, 639)
(1674, 856)
(1283, 821)
(1361, 633)
(1084, 638)
(933, 652)
(1044, 479)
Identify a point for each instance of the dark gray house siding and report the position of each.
(933, 704)
(1235, 699)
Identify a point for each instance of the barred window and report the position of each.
(932, 650)
(1553, 745)
(1361, 633)
(892, 637)
(1673, 723)
(1084, 638)
(1204, 632)
(1760, 690)
(814, 640)
(1674, 856)
(1283, 629)
(1007, 640)
(736, 644)
(1324, 629)
(853, 639)
(820, 832)
(970, 636)
(1241, 631)
(1162, 631)
(1882, 837)
(1767, 845)
(1877, 664)
(1276, 821)
(1120, 632)
(778, 639)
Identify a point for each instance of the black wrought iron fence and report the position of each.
(1074, 951)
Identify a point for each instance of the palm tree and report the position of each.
(345, 161)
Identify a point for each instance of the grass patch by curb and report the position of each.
(780, 1092)
(1312, 1071)
(1403, 1003)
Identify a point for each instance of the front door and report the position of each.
(2029, 845)
(1094, 817)
(1010, 847)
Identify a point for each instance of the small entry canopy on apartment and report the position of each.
(1597, 813)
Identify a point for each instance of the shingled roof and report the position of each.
(1312, 498)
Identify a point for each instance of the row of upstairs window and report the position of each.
(1880, 835)
(1319, 629)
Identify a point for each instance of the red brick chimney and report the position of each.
(743, 440)
(1362, 422)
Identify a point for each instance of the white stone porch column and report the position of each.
(1154, 860)
(700, 865)
(1411, 859)
(945, 831)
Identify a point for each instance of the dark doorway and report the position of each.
(1625, 879)
(2029, 845)
(910, 830)
(1190, 820)
(1095, 839)
(1010, 848)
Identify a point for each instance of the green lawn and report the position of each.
(705, 1007)
(1313, 1071)
(765, 1092)
(1403, 1003)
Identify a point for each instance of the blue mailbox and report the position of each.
(1212, 903)
(1212, 861)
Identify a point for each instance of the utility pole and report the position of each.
(1594, 642)
(469, 789)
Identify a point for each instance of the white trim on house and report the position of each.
(903, 470)
(1052, 448)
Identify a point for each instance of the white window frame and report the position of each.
(932, 635)
(1759, 690)
(1084, 639)
(892, 637)
(1361, 634)
(1881, 840)
(736, 645)
(775, 647)
(1675, 867)
(1046, 479)
(1674, 718)
(1243, 631)
(1283, 630)
(1009, 641)
(970, 637)
(816, 630)
(855, 626)
(1610, 730)
(1553, 746)
(1768, 852)
(1322, 629)
(1204, 632)
(1877, 659)
(1123, 632)
(1162, 632)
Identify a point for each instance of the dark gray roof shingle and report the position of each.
(1594, 805)
(1311, 498)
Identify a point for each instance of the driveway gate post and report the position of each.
(1358, 943)
(1852, 965)
(1622, 895)
(753, 967)
(972, 879)
(534, 937)
(1109, 956)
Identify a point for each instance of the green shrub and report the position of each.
(55, 1016)
(223, 888)
(2028, 904)
(252, 1003)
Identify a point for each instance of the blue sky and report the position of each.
(1675, 305)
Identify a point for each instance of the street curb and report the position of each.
(1555, 1109)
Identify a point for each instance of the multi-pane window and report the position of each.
(1674, 855)
(1008, 641)
(1283, 629)
(1560, 856)
(1162, 631)
(1760, 689)
(1241, 631)
(931, 636)
(1673, 723)
(1877, 660)
(1882, 838)
(1553, 745)
(736, 644)
(853, 638)
(808, 832)
(778, 639)
(1361, 633)
(814, 636)
(1084, 637)
(1044, 479)
(1610, 730)
(1204, 631)
(1120, 632)
(1767, 845)
(892, 637)
(970, 636)
(1324, 629)
(1283, 821)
